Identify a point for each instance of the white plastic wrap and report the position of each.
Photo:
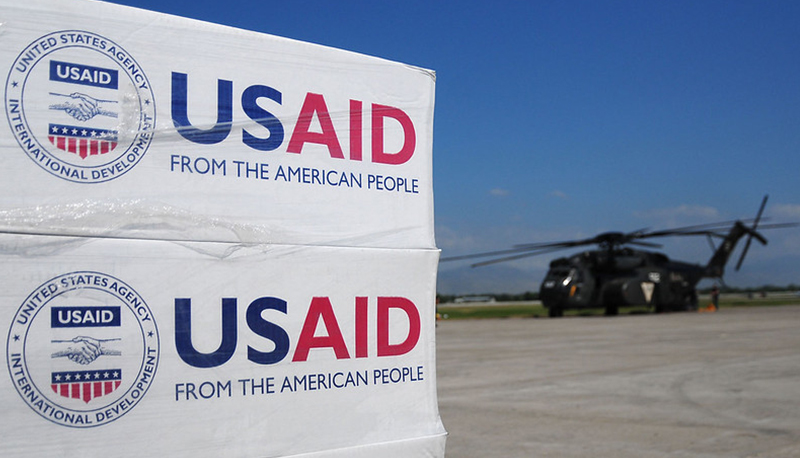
(213, 242)
(109, 107)
(286, 350)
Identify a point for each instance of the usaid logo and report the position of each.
(83, 349)
(80, 106)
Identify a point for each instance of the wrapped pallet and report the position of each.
(214, 242)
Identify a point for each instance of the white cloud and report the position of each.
(450, 240)
(558, 194)
(680, 215)
(498, 192)
(785, 211)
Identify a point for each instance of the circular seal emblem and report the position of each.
(80, 106)
(83, 349)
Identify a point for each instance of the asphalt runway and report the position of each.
(723, 384)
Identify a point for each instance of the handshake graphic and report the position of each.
(83, 107)
(84, 350)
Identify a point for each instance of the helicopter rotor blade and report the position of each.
(485, 254)
(699, 229)
(637, 234)
(778, 225)
(613, 241)
(513, 258)
(753, 230)
(564, 244)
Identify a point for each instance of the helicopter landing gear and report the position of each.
(691, 302)
(612, 310)
(555, 312)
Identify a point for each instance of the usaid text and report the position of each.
(320, 314)
(314, 108)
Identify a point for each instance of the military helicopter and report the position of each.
(617, 275)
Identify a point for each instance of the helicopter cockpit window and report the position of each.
(571, 276)
(559, 272)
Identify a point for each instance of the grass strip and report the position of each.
(535, 309)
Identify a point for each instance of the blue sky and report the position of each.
(558, 120)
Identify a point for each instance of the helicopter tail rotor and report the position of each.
(752, 233)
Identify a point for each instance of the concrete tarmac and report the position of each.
(723, 384)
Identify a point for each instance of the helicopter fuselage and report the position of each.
(616, 275)
(610, 279)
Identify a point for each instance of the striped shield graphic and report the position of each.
(86, 385)
(82, 141)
